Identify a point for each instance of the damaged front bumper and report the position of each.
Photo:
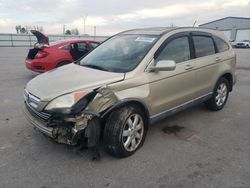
(41, 126)
(81, 125)
(69, 130)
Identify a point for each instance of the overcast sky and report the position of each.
(112, 16)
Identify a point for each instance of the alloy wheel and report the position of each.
(133, 132)
(221, 94)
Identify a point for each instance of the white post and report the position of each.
(63, 29)
(84, 20)
(94, 32)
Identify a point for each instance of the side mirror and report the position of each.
(163, 65)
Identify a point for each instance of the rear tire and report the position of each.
(220, 95)
(62, 63)
(125, 131)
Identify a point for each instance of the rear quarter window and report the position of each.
(65, 47)
(94, 44)
(203, 45)
(222, 45)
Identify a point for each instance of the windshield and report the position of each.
(121, 53)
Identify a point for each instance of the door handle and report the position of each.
(217, 59)
(188, 67)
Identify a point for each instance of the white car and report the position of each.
(242, 44)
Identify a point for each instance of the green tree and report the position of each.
(68, 32)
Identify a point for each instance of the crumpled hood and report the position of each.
(70, 78)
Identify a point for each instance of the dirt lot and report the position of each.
(211, 150)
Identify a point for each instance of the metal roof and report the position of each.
(230, 17)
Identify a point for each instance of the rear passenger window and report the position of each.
(221, 44)
(203, 46)
(177, 50)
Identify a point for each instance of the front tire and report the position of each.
(220, 95)
(125, 131)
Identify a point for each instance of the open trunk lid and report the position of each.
(42, 42)
(41, 38)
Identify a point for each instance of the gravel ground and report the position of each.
(210, 149)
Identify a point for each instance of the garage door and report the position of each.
(243, 35)
(228, 34)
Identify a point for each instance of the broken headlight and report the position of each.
(65, 102)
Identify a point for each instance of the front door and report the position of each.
(169, 89)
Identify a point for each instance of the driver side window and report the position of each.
(177, 50)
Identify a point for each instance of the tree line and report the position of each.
(26, 29)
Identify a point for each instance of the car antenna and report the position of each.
(194, 23)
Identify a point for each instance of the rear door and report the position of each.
(169, 89)
(206, 61)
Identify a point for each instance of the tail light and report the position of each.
(41, 54)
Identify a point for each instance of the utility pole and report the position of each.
(94, 32)
(194, 23)
(63, 29)
(84, 20)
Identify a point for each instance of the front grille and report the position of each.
(30, 97)
(41, 115)
(25, 94)
(32, 102)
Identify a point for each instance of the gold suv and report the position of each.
(130, 81)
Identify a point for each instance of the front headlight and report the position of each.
(65, 102)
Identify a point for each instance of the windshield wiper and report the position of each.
(96, 67)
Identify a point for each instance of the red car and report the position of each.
(44, 56)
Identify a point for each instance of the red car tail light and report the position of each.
(41, 54)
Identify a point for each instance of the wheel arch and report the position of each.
(229, 77)
(128, 102)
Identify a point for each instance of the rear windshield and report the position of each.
(56, 42)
